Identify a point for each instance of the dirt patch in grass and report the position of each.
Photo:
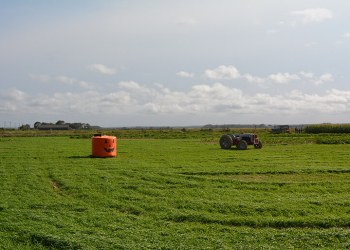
(55, 184)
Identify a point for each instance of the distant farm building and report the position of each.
(54, 127)
(60, 125)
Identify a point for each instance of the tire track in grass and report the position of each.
(258, 223)
(306, 177)
(304, 171)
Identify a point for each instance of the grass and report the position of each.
(173, 194)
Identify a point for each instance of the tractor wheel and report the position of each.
(242, 145)
(226, 142)
(258, 146)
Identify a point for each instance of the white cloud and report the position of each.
(12, 99)
(139, 93)
(313, 15)
(102, 69)
(14, 95)
(223, 72)
(308, 75)
(347, 35)
(73, 81)
(129, 85)
(185, 74)
(323, 79)
(66, 80)
(62, 79)
(132, 98)
(326, 77)
(232, 73)
(254, 79)
(283, 77)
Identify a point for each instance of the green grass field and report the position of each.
(174, 194)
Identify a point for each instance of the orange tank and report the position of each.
(104, 146)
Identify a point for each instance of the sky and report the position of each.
(174, 63)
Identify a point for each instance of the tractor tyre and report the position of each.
(226, 141)
(242, 145)
(258, 146)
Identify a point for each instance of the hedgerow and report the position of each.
(327, 128)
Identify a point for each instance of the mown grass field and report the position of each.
(174, 194)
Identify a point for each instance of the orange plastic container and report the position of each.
(104, 146)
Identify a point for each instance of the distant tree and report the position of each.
(24, 127)
(37, 124)
(60, 122)
(76, 125)
(86, 126)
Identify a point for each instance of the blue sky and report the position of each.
(174, 63)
